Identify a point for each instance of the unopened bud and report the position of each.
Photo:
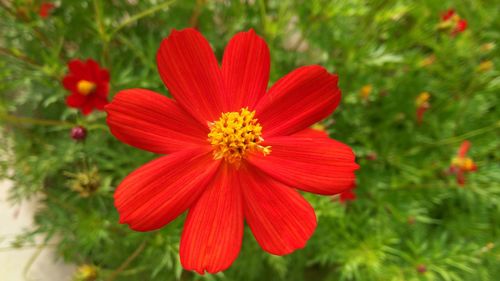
(78, 133)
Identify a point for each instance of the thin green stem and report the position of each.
(141, 15)
(263, 15)
(20, 57)
(97, 127)
(105, 38)
(98, 20)
(14, 248)
(465, 136)
(32, 260)
(195, 15)
(127, 262)
(34, 121)
(138, 52)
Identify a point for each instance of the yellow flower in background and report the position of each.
(485, 66)
(487, 47)
(365, 91)
(427, 61)
(86, 272)
(422, 99)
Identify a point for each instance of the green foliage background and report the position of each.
(409, 213)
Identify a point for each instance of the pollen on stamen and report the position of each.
(236, 134)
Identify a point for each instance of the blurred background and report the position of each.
(420, 108)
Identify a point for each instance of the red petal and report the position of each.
(298, 100)
(153, 122)
(45, 9)
(189, 69)
(317, 165)
(245, 68)
(280, 218)
(69, 82)
(461, 177)
(348, 195)
(213, 231)
(93, 68)
(99, 102)
(87, 107)
(461, 26)
(103, 75)
(102, 90)
(161, 190)
(464, 148)
(420, 113)
(76, 100)
(311, 133)
(79, 69)
(448, 14)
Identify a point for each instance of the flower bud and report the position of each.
(86, 182)
(421, 268)
(78, 133)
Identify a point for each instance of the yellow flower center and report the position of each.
(236, 134)
(464, 163)
(85, 87)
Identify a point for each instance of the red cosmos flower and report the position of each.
(462, 164)
(236, 151)
(452, 21)
(45, 9)
(88, 84)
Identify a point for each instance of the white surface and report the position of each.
(14, 262)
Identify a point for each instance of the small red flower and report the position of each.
(450, 20)
(421, 268)
(45, 9)
(462, 164)
(237, 151)
(88, 84)
(422, 104)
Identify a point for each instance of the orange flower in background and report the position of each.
(88, 84)
(451, 21)
(462, 164)
(237, 151)
(422, 104)
(485, 66)
(45, 9)
(366, 91)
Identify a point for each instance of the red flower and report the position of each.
(462, 164)
(450, 20)
(236, 151)
(88, 84)
(422, 104)
(45, 9)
